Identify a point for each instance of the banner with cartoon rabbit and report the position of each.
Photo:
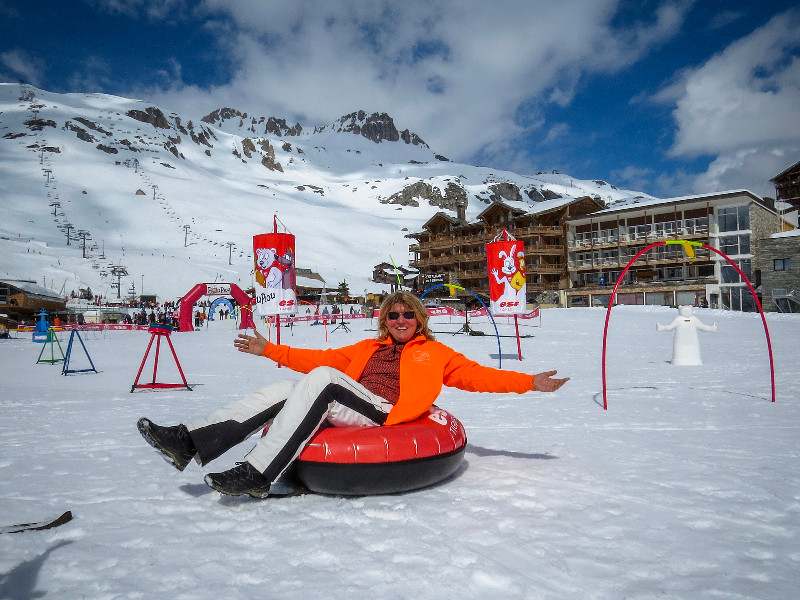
(274, 274)
(506, 262)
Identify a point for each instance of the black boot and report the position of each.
(241, 479)
(173, 442)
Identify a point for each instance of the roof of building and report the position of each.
(786, 234)
(640, 203)
(538, 208)
(782, 174)
(305, 281)
(32, 289)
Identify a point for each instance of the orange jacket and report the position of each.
(425, 366)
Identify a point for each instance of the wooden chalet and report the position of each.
(23, 300)
(387, 274)
(309, 285)
(787, 186)
(451, 250)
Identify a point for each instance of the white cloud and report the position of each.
(456, 73)
(94, 74)
(556, 131)
(725, 18)
(739, 169)
(743, 107)
(154, 9)
(633, 177)
(747, 95)
(23, 65)
(679, 183)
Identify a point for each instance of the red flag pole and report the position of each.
(278, 316)
(506, 237)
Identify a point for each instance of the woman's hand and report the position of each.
(252, 344)
(544, 382)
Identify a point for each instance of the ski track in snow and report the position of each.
(687, 487)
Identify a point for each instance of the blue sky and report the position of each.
(669, 97)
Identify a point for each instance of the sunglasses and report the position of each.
(408, 315)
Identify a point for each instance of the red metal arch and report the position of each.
(200, 290)
(686, 245)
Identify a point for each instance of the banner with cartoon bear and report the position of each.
(274, 274)
(506, 262)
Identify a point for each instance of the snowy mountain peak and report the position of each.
(377, 127)
(257, 125)
(92, 182)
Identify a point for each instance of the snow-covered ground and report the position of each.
(687, 487)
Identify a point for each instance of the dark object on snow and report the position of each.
(173, 442)
(39, 525)
(241, 479)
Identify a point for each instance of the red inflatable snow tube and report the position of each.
(357, 461)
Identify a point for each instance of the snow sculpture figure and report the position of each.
(686, 344)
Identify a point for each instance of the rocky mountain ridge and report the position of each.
(358, 183)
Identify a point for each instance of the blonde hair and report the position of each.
(411, 302)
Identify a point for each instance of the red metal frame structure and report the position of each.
(687, 245)
(202, 289)
(157, 332)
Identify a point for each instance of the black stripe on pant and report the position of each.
(215, 440)
(313, 420)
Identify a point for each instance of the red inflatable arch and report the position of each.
(214, 289)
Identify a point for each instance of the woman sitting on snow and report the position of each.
(392, 379)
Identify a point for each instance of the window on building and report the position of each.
(737, 298)
(734, 218)
(730, 275)
(610, 257)
(782, 264)
(705, 270)
(744, 244)
(734, 244)
(686, 298)
(588, 278)
(583, 259)
(744, 217)
(729, 244)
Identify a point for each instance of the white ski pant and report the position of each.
(297, 410)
